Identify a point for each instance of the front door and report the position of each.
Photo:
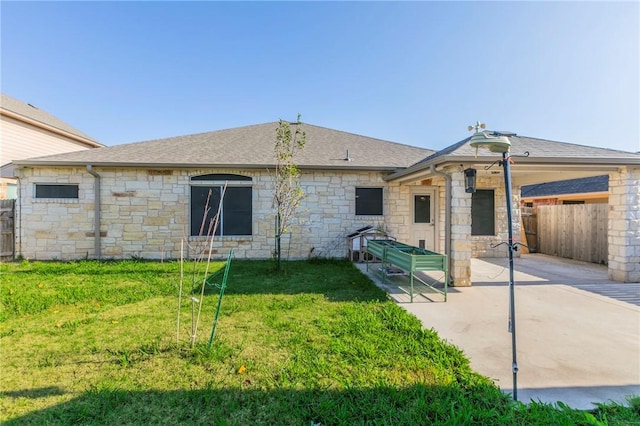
(422, 233)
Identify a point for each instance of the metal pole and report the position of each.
(512, 247)
(96, 208)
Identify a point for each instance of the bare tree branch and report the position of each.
(287, 190)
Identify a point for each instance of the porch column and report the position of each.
(624, 225)
(460, 231)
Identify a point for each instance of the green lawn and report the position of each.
(95, 343)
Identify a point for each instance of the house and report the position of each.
(143, 199)
(587, 190)
(27, 131)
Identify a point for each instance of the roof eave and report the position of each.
(566, 195)
(36, 123)
(595, 162)
(44, 163)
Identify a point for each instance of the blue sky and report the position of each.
(412, 72)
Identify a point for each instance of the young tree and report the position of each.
(287, 192)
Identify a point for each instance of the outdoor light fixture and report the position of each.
(470, 180)
(498, 143)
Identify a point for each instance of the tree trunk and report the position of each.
(278, 239)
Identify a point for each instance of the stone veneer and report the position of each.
(145, 213)
(481, 245)
(624, 225)
(460, 230)
(464, 245)
(399, 213)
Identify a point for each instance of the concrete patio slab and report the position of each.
(573, 345)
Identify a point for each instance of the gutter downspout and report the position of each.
(17, 221)
(447, 216)
(96, 215)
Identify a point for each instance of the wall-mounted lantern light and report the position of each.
(470, 180)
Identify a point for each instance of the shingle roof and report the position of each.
(249, 146)
(537, 148)
(572, 186)
(34, 113)
(540, 151)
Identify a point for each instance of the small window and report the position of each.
(483, 212)
(422, 209)
(56, 191)
(369, 201)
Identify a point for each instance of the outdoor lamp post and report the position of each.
(500, 144)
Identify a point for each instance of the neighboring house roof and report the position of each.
(541, 151)
(26, 112)
(571, 186)
(247, 147)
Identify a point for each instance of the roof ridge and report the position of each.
(249, 146)
(276, 123)
(368, 137)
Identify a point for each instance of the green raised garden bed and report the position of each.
(409, 259)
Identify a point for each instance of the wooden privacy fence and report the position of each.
(576, 231)
(530, 225)
(7, 214)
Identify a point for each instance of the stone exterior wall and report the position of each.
(466, 246)
(400, 214)
(54, 229)
(460, 230)
(145, 213)
(481, 245)
(624, 225)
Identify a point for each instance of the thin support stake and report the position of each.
(446, 276)
(206, 272)
(223, 286)
(411, 280)
(180, 290)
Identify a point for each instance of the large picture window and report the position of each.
(369, 201)
(56, 191)
(483, 216)
(236, 211)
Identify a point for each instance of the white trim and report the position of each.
(432, 192)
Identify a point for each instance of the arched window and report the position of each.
(236, 213)
(221, 177)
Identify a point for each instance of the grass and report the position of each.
(95, 343)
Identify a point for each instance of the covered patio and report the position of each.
(578, 331)
(471, 225)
